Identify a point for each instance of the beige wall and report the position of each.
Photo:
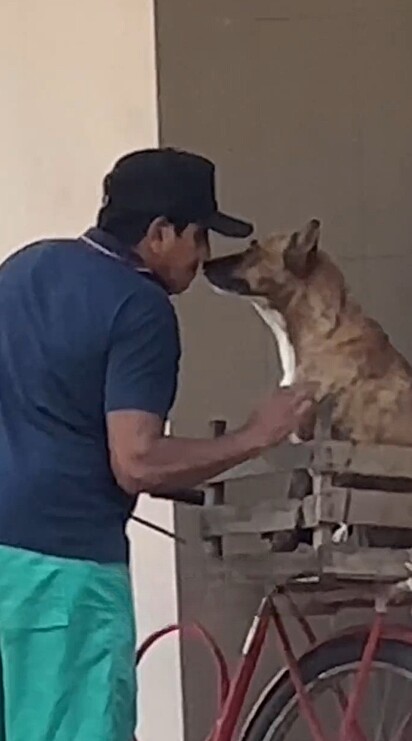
(77, 83)
(305, 105)
(78, 88)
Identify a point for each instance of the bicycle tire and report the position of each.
(338, 652)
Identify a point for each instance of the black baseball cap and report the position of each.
(171, 183)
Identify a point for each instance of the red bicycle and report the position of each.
(357, 686)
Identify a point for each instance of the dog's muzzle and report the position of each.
(219, 273)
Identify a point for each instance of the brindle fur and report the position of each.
(337, 346)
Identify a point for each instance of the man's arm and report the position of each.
(143, 460)
(141, 375)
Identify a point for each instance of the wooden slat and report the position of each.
(328, 457)
(315, 599)
(272, 568)
(330, 602)
(263, 518)
(359, 507)
(283, 458)
(366, 507)
(373, 565)
(367, 460)
(369, 564)
(244, 544)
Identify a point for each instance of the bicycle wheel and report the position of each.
(329, 670)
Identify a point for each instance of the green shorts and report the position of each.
(67, 644)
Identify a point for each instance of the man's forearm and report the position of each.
(142, 460)
(179, 462)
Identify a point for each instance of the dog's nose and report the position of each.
(213, 273)
(207, 267)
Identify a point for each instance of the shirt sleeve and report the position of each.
(143, 357)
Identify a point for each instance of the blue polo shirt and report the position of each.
(81, 334)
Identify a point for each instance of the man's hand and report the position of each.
(280, 414)
(143, 460)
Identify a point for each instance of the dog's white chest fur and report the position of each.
(277, 325)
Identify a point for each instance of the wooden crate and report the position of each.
(240, 538)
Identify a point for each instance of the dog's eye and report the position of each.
(252, 254)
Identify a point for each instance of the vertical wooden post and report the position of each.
(322, 534)
(215, 493)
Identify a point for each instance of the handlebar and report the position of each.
(184, 496)
(195, 497)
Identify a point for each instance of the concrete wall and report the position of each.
(78, 88)
(305, 106)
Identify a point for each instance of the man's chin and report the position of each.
(184, 284)
(177, 290)
(176, 285)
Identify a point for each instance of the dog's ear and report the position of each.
(300, 254)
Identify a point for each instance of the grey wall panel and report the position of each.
(305, 106)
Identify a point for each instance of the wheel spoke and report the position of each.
(405, 729)
(380, 734)
(342, 699)
(384, 716)
(329, 674)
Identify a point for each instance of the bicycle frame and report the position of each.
(232, 693)
(349, 730)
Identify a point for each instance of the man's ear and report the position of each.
(159, 234)
(300, 254)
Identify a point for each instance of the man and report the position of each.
(89, 354)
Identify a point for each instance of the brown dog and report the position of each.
(323, 335)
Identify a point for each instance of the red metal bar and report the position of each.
(311, 638)
(229, 717)
(304, 624)
(392, 631)
(199, 631)
(304, 700)
(355, 699)
(232, 694)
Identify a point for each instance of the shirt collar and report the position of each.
(110, 243)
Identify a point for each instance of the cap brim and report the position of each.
(228, 226)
